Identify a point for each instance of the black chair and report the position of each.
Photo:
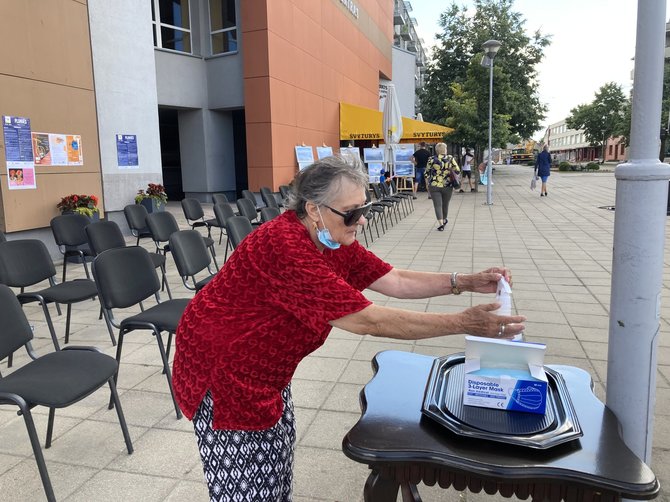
(191, 257)
(267, 213)
(222, 213)
(238, 228)
(26, 262)
(162, 225)
(249, 195)
(284, 191)
(126, 277)
(55, 380)
(70, 237)
(219, 198)
(104, 235)
(195, 216)
(387, 195)
(136, 217)
(247, 209)
(392, 205)
(409, 198)
(269, 197)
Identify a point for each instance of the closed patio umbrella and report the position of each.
(391, 126)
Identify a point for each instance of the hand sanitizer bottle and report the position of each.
(504, 297)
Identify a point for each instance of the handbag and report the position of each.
(453, 180)
(533, 182)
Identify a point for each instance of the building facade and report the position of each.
(215, 93)
(568, 145)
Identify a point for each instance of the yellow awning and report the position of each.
(360, 123)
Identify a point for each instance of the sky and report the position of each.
(576, 63)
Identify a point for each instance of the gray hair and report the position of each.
(441, 149)
(320, 182)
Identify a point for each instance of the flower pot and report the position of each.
(95, 217)
(152, 205)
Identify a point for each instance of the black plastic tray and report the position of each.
(443, 402)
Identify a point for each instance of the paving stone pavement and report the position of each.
(558, 247)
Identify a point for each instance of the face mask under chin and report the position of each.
(324, 236)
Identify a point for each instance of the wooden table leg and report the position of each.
(410, 493)
(379, 489)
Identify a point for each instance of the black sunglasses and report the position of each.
(352, 216)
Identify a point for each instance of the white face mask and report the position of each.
(324, 235)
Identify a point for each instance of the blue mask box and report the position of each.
(505, 375)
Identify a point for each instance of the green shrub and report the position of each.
(564, 166)
(592, 166)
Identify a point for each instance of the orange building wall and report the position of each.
(301, 58)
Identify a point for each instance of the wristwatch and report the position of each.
(454, 287)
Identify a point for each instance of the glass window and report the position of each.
(223, 26)
(172, 24)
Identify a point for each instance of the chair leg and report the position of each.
(64, 267)
(221, 237)
(10, 360)
(67, 323)
(110, 328)
(213, 253)
(50, 324)
(50, 427)
(83, 259)
(119, 347)
(166, 371)
(228, 245)
(365, 236)
(165, 282)
(39, 456)
(119, 413)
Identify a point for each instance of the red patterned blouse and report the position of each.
(244, 334)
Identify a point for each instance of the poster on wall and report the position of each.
(324, 151)
(52, 149)
(126, 151)
(304, 156)
(18, 153)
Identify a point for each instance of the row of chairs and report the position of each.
(123, 277)
(389, 205)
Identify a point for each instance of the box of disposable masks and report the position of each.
(505, 375)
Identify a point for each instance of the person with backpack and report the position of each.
(420, 161)
(441, 176)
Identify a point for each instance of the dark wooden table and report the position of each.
(404, 448)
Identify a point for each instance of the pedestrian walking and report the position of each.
(420, 161)
(466, 170)
(441, 168)
(543, 169)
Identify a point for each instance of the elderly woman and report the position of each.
(439, 185)
(273, 303)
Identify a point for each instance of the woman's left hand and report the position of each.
(487, 280)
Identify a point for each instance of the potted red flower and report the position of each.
(82, 204)
(153, 197)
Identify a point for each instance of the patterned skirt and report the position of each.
(247, 466)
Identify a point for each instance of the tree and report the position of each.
(457, 86)
(602, 118)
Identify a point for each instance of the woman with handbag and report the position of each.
(441, 176)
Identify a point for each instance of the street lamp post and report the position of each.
(491, 49)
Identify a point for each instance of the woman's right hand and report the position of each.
(480, 321)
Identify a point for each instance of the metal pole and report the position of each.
(489, 170)
(639, 235)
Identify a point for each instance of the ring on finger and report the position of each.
(502, 330)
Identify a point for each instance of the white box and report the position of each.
(505, 374)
